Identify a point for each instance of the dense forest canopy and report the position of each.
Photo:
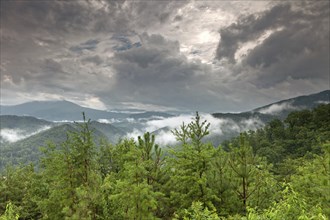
(278, 172)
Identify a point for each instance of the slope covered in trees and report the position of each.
(278, 172)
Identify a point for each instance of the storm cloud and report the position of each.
(291, 41)
(160, 55)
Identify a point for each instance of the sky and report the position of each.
(208, 56)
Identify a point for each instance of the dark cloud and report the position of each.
(297, 47)
(159, 52)
(156, 73)
(249, 28)
(157, 62)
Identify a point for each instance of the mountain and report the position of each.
(235, 123)
(148, 115)
(68, 111)
(238, 117)
(27, 150)
(57, 111)
(22, 122)
(282, 108)
(14, 128)
(21, 136)
(112, 133)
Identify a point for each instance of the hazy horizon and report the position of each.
(137, 111)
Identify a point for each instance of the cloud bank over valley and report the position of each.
(13, 135)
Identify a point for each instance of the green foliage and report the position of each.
(71, 178)
(28, 150)
(84, 179)
(15, 185)
(11, 213)
(253, 183)
(291, 206)
(189, 166)
(312, 180)
(131, 189)
(301, 132)
(197, 211)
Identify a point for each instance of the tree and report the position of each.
(71, 178)
(133, 191)
(220, 181)
(312, 181)
(188, 166)
(197, 211)
(252, 182)
(11, 212)
(290, 206)
(15, 186)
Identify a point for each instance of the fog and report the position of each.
(278, 108)
(13, 135)
(218, 127)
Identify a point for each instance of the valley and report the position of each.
(22, 135)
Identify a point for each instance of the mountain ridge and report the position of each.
(67, 111)
(283, 107)
(230, 125)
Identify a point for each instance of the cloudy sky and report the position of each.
(210, 56)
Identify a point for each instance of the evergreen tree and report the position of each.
(253, 183)
(15, 186)
(189, 165)
(312, 181)
(290, 206)
(72, 178)
(133, 191)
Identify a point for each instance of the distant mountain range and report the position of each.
(25, 128)
(21, 139)
(68, 111)
(280, 109)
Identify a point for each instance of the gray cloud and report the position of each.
(156, 73)
(297, 47)
(54, 16)
(249, 28)
(52, 66)
(97, 60)
(159, 54)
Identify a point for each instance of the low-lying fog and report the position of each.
(220, 128)
(13, 135)
(162, 127)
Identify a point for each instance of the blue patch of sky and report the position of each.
(88, 45)
(125, 43)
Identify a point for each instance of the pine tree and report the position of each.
(189, 165)
(252, 181)
(133, 191)
(72, 178)
(312, 181)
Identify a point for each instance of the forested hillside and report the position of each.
(278, 172)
